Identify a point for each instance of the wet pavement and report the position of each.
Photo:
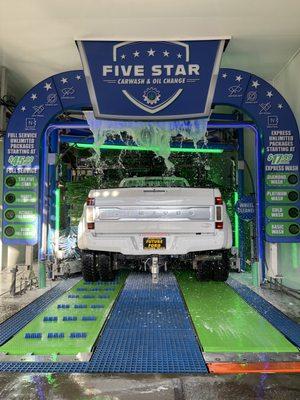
(128, 387)
(286, 303)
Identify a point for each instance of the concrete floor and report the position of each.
(136, 387)
(97, 387)
(9, 305)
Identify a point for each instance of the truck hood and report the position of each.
(154, 197)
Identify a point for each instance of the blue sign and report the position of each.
(24, 206)
(151, 80)
(245, 208)
(279, 137)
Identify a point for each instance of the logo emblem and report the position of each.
(151, 96)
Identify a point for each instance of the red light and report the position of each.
(218, 200)
(91, 225)
(90, 201)
(219, 225)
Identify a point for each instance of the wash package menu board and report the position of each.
(21, 187)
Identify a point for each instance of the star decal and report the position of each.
(33, 96)
(23, 108)
(136, 54)
(280, 106)
(47, 86)
(224, 75)
(151, 52)
(238, 78)
(179, 55)
(269, 93)
(64, 80)
(123, 57)
(255, 84)
(166, 53)
(78, 77)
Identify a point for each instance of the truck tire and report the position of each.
(221, 269)
(89, 269)
(104, 266)
(204, 271)
(220, 272)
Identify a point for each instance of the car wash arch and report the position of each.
(153, 95)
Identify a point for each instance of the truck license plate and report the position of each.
(154, 243)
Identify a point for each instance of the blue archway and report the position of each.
(278, 142)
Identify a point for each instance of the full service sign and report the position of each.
(151, 80)
(20, 187)
(22, 146)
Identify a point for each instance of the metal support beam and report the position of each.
(3, 92)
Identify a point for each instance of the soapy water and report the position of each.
(155, 135)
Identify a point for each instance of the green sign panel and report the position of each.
(282, 179)
(282, 196)
(282, 229)
(20, 231)
(21, 215)
(21, 181)
(282, 212)
(21, 198)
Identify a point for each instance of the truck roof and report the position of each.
(154, 181)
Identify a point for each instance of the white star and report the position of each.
(78, 77)
(33, 96)
(166, 53)
(179, 55)
(224, 76)
(64, 80)
(238, 78)
(151, 52)
(255, 84)
(136, 54)
(280, 106)
(123, 56)
(23, 108)
(269, 94)
(47, 86)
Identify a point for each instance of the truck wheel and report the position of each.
(204, 271)
(221, 269)
(104, 265)
(89, 270)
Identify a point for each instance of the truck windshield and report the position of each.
(154, 182)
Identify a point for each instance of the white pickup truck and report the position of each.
(152, 223)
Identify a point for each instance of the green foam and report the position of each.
(18, 345)
(225, 323)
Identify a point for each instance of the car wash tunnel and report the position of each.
(154, 197)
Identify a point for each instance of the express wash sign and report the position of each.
(151, 80)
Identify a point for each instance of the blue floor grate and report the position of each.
(149, 331)
(12, 325)
(289, 328)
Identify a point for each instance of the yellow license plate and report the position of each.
(154, 243)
